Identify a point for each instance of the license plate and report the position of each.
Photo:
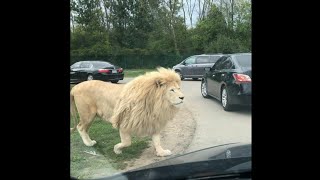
(114, 71)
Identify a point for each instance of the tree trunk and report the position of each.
(232, 6)
(184, 13)
(172, 9)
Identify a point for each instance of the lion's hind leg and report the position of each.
(125, 142)
(86, 114)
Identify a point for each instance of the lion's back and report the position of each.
(99, 94)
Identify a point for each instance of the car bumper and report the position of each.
(240, 99)
(240, 94)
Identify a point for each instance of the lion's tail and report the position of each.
(73, 113)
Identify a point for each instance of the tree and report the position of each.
(87, 14)
(209, 28)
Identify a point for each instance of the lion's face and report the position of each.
(174, 94)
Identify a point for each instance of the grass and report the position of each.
(84, 165)
(136, 72)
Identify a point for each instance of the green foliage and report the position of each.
(147, 34)
(225, 44)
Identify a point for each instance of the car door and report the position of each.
(200, 64)
(74, 76)
(220, 75)
(214, 76)
(187, 68)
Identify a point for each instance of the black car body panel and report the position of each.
(228, 161)
(221, 75)
(193, 66)
(80, 71)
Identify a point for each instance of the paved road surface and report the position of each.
(214, 125)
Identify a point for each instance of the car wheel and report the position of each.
(115, 81)
(204, 90)
(90, 77)
(179, 73)
(225, 100)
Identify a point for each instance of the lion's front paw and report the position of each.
(164, 153)
(116, 149)
(91, 143)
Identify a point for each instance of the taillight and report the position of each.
(120, 70)
(104, 70)
(241, 78)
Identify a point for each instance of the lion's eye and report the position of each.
(172, 90)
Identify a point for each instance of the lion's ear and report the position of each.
(160, 82)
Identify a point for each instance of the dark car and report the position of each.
(98, 70)
(227, 161)
(193, 66)
(229, 80)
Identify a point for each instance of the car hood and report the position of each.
(231, 150)
(223, 159)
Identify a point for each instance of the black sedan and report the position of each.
(99, 70)
(229, 80)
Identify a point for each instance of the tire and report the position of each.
(90, 77)
(195, 79)
(204, 90)
(115, 81)
(225, 100)
(181, 77)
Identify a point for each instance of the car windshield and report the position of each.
(244, 60)
(158, 94)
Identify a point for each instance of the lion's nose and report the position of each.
(181, 98)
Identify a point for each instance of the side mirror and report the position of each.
(207, 69)
(183, 63)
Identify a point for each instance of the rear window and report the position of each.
(244, 60)
(101, 64)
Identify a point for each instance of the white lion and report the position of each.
(141, 107)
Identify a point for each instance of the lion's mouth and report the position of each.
(178, 103)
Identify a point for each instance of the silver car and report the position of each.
(193, 66)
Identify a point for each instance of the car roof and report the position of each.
(96, 61)
(218, 54)
(209, 55)
(235, 54)
(241, 54)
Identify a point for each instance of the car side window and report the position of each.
(190, 60)
(202, 60)
(85, 65)
(219, 63)
(213, 59)
(227, 64)
(75, 65)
